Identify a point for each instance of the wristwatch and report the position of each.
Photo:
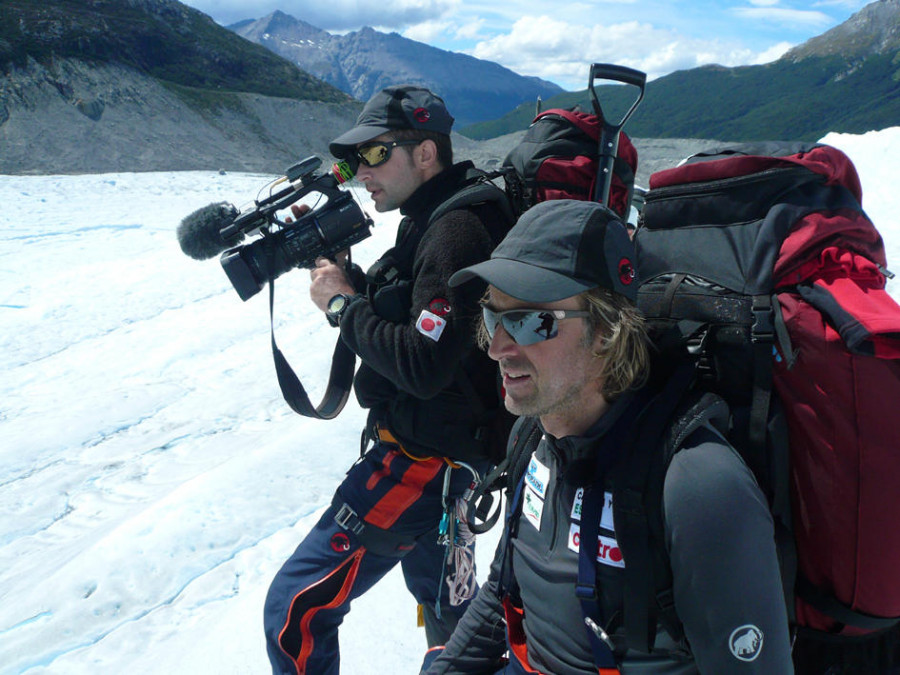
(336, 307)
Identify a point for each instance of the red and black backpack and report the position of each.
(558, 157)
(760, 270)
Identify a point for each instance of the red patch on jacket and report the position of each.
(439, 306)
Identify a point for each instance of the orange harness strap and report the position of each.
(386, 436)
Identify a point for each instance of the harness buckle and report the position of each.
(348, 519)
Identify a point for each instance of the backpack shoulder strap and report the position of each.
(478, 189)
(506, 475)
(637, 499)
(526, 435)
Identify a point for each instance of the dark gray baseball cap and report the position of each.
(398, 107)
(557, 249)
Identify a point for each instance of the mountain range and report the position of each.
(365, 61)
(140, 85)
(846, 80)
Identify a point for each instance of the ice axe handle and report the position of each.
(609, 135)
(609, 71)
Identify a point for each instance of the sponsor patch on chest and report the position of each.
(534, 491)
(532, 507)
(537, 476)
(608, 551)
(606, 517)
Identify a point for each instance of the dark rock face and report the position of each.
(875, 29)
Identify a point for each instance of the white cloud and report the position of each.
(784, 16)
(560, 51)
(471, 30)
(764, 3)
(433, 32)
(426, 31)
(773, 53)
(851, 5)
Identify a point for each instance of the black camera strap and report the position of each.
(340, 380)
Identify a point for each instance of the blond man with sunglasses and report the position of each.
(432, 395)
(559, 318)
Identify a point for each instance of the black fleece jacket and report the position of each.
(418, 387)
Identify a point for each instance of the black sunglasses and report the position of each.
(377, 153)
(529, 326)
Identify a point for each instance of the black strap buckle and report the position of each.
(586, 592)
(763, 329)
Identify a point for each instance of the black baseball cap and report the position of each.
(399, 107)
(557, 249)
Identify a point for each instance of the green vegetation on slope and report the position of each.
(782, 100)
(166, 40)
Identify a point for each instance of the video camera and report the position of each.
(321, 232)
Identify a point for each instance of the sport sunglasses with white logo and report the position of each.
(529, 326)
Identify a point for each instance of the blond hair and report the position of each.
(624, 348)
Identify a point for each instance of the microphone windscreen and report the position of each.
(199, 233)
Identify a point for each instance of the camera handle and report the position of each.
(340, 379)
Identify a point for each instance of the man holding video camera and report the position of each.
(431, 394)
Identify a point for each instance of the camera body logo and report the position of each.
(746, 642)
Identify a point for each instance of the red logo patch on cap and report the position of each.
(439, 306)
(340, 542)
(422, 115)
(626, 272)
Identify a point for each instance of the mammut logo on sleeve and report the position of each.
(340, 542)
(439, 306)
(746, 642)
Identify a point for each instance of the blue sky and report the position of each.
(557, 40)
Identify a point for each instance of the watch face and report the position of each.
(336, 304)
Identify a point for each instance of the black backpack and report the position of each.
(558, 158)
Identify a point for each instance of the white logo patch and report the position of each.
(746, 642)
(532, 507)
(537, 476)
(608, 551)
(606, 518)
(576, 505)
(430, 325)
